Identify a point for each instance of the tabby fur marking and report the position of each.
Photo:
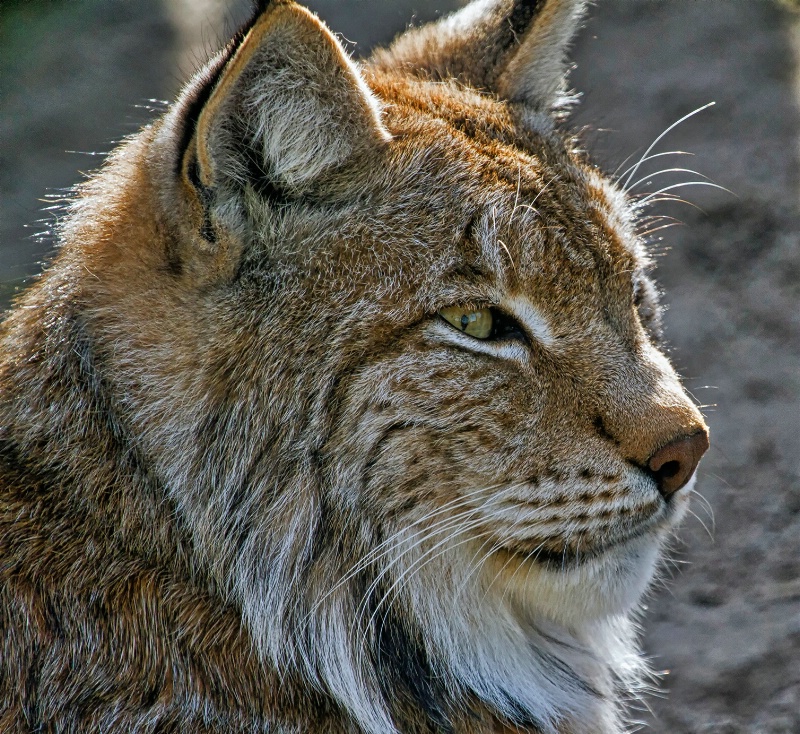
(341, 408)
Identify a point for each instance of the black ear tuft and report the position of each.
(522, 15)
(515, 49)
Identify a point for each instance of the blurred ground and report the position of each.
(727, 624)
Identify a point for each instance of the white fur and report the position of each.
(502, 641)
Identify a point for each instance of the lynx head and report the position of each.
(389, 344)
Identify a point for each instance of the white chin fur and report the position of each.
(608, 585)
(560, 644)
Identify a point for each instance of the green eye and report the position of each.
(478, 322)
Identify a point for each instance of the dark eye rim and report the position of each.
(504, 326)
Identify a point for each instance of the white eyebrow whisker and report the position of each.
(663, 171)
(650, 158)
(508, 252)
(516, 195)
(660, 137)
(649, 197)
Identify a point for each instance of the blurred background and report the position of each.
(724, 626)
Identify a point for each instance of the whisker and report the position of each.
(412, 571)
(508, 252)
(384, 548)
(659, 138)
(616, 173)
(704, 526)
(417, 540)
(657, 218)
(417, 566)
(669, 198)
(516, 196)
(707, 506)
(650, 176)
(474, 565)
(644, 160)
(511, 557)
(530, 560)
(527, 560)
(531, 207)
(647, 198)
(653, 230)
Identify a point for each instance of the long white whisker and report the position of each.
(420, 564)
(478, 559)
(511, 557)
(385, 547)
(457, 526)
(650, 158)
(516, 196)
(651, 176)
(416, 539)
(657, 219)
(660, 137)
(416, 568)
(473, 565)
(427, 557)
(530, 559)
(647, 198)
(707, 507)
(646, 233)
(704, 526)
(530, 207)
(616, 174)
(674, 199)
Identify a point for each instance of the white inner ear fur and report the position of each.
(299, 97)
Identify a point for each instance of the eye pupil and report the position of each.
(487, 323)
(476, 322)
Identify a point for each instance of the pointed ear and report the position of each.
(287, 106)
(513, 48)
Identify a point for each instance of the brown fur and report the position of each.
(231, 386)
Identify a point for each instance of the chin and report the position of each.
(601, 585)
(577, 592)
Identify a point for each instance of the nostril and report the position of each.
(673, 465)
(669, 470)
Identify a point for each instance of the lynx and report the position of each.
(341, 407)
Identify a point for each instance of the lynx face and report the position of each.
(389, 346)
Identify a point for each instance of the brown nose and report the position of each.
(673, 465)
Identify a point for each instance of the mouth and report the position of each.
(563, 558)
(525, 532)
(565, 553)
(576, 586)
